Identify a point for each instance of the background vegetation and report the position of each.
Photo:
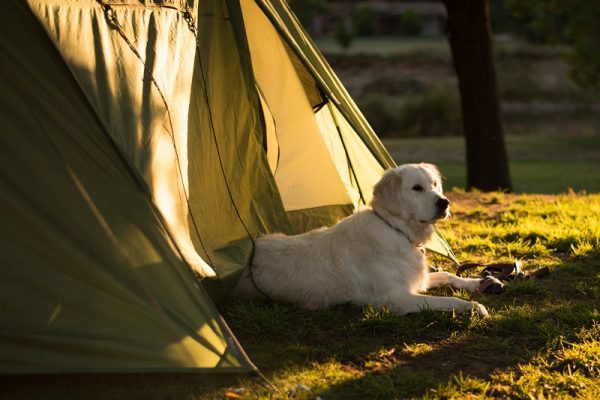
(408, 88)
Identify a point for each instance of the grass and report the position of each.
(538, 164)
(542, 339)
(407, 87)
(386, 46)
(415, 46)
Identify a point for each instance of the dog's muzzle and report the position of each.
(442, 205)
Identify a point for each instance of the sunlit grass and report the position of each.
(568, 372)
(527, 227)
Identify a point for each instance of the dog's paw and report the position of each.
(480, 308)
(473, 284)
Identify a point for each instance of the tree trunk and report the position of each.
(470, 37)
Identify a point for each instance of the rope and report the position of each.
(348, 160)
(351, 166)
(192, 26)
(251, 268)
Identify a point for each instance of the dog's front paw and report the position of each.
(480, 308)
(473, 284)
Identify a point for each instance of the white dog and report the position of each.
(373, 257)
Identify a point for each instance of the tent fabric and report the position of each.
(305, 174)
(232, 191)
(279, 12)
(91, 281)
(144, 145)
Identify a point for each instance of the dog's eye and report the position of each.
(417, 188)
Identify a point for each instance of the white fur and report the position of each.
(362, 259)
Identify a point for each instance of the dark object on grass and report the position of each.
(497, 273)
(540, 273)
(491, 285)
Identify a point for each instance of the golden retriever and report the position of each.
(372, 257)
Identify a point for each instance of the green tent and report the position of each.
(144, 143)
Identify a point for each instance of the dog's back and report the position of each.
(326, 266)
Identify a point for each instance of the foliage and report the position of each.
(575, 22)
(501, 18)
(343, 35)
(382, 113)
(363, 20)
(432, 113)
(306, 10)
(411, 23)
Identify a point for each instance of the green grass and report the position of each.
(386, 46)
(429, 46)
(538, 164)
(542, 339)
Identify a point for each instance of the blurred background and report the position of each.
(394, 58)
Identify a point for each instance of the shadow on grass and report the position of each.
(159, 386)
(503, 344)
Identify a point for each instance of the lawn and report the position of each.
(386, 46)
(542, 339)
(427, 46)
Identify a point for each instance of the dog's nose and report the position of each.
(442, 203)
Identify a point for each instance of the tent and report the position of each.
(144, 144)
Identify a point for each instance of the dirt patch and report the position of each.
(491, 204)
(363, 74)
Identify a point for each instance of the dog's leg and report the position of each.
(444, 278)
(418, 302)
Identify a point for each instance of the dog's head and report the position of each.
(412, 192)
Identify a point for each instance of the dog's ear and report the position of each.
(386, 191)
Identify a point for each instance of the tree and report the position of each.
(470, 38)
(343, 35)
(363, 20)
(411, 23)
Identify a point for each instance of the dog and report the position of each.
(372, 257)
